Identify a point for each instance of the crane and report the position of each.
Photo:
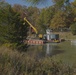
(55, 37)
(40, 35)
(31, 25)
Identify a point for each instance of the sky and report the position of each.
(22, 2)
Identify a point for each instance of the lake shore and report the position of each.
(66, 35)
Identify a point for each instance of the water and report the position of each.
(73, 42)
(44, 50)
(64, 51)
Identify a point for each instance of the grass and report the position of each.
(13, 62)
(69, 53)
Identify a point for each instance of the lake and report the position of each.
(64, 51)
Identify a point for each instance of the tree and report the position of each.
(58, 4)
(15, 32)
(62, 21)
(32, 14)
(36, 1)
(44, 18)
(22, 10)
(73, 29)
(73, 11)
(59, 20)
(3, 21)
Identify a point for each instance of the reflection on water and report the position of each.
(52, 49)
(73, 42)
(65, 51)
(48, 49)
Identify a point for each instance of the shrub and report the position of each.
(13, 62)
(73, 29)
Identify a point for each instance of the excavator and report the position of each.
(40, 36)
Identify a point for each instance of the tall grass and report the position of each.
(13, 62)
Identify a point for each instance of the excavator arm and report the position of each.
(31, 25)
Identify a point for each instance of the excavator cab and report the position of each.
(40, 36)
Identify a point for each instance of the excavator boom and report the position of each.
(31, 25)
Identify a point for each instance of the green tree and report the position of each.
(73, 11)
(16, 30)
(11, 27)
(3, 20)
(32, 14)
(35, 1)
(58, 4)
(73, 29)
(44, 18)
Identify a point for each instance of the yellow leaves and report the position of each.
(75, 19)
(58, 20)
(74, 11)
(74, 7)
(74, 4)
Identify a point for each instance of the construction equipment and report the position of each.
(48, 37)
(51, 37)
(35, 30)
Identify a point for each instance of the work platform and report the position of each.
(40, 42)
(35, 41)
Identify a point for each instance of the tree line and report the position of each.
(61, 15)
(12, 29)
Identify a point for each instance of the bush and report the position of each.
(13, 62)
(73, 29)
